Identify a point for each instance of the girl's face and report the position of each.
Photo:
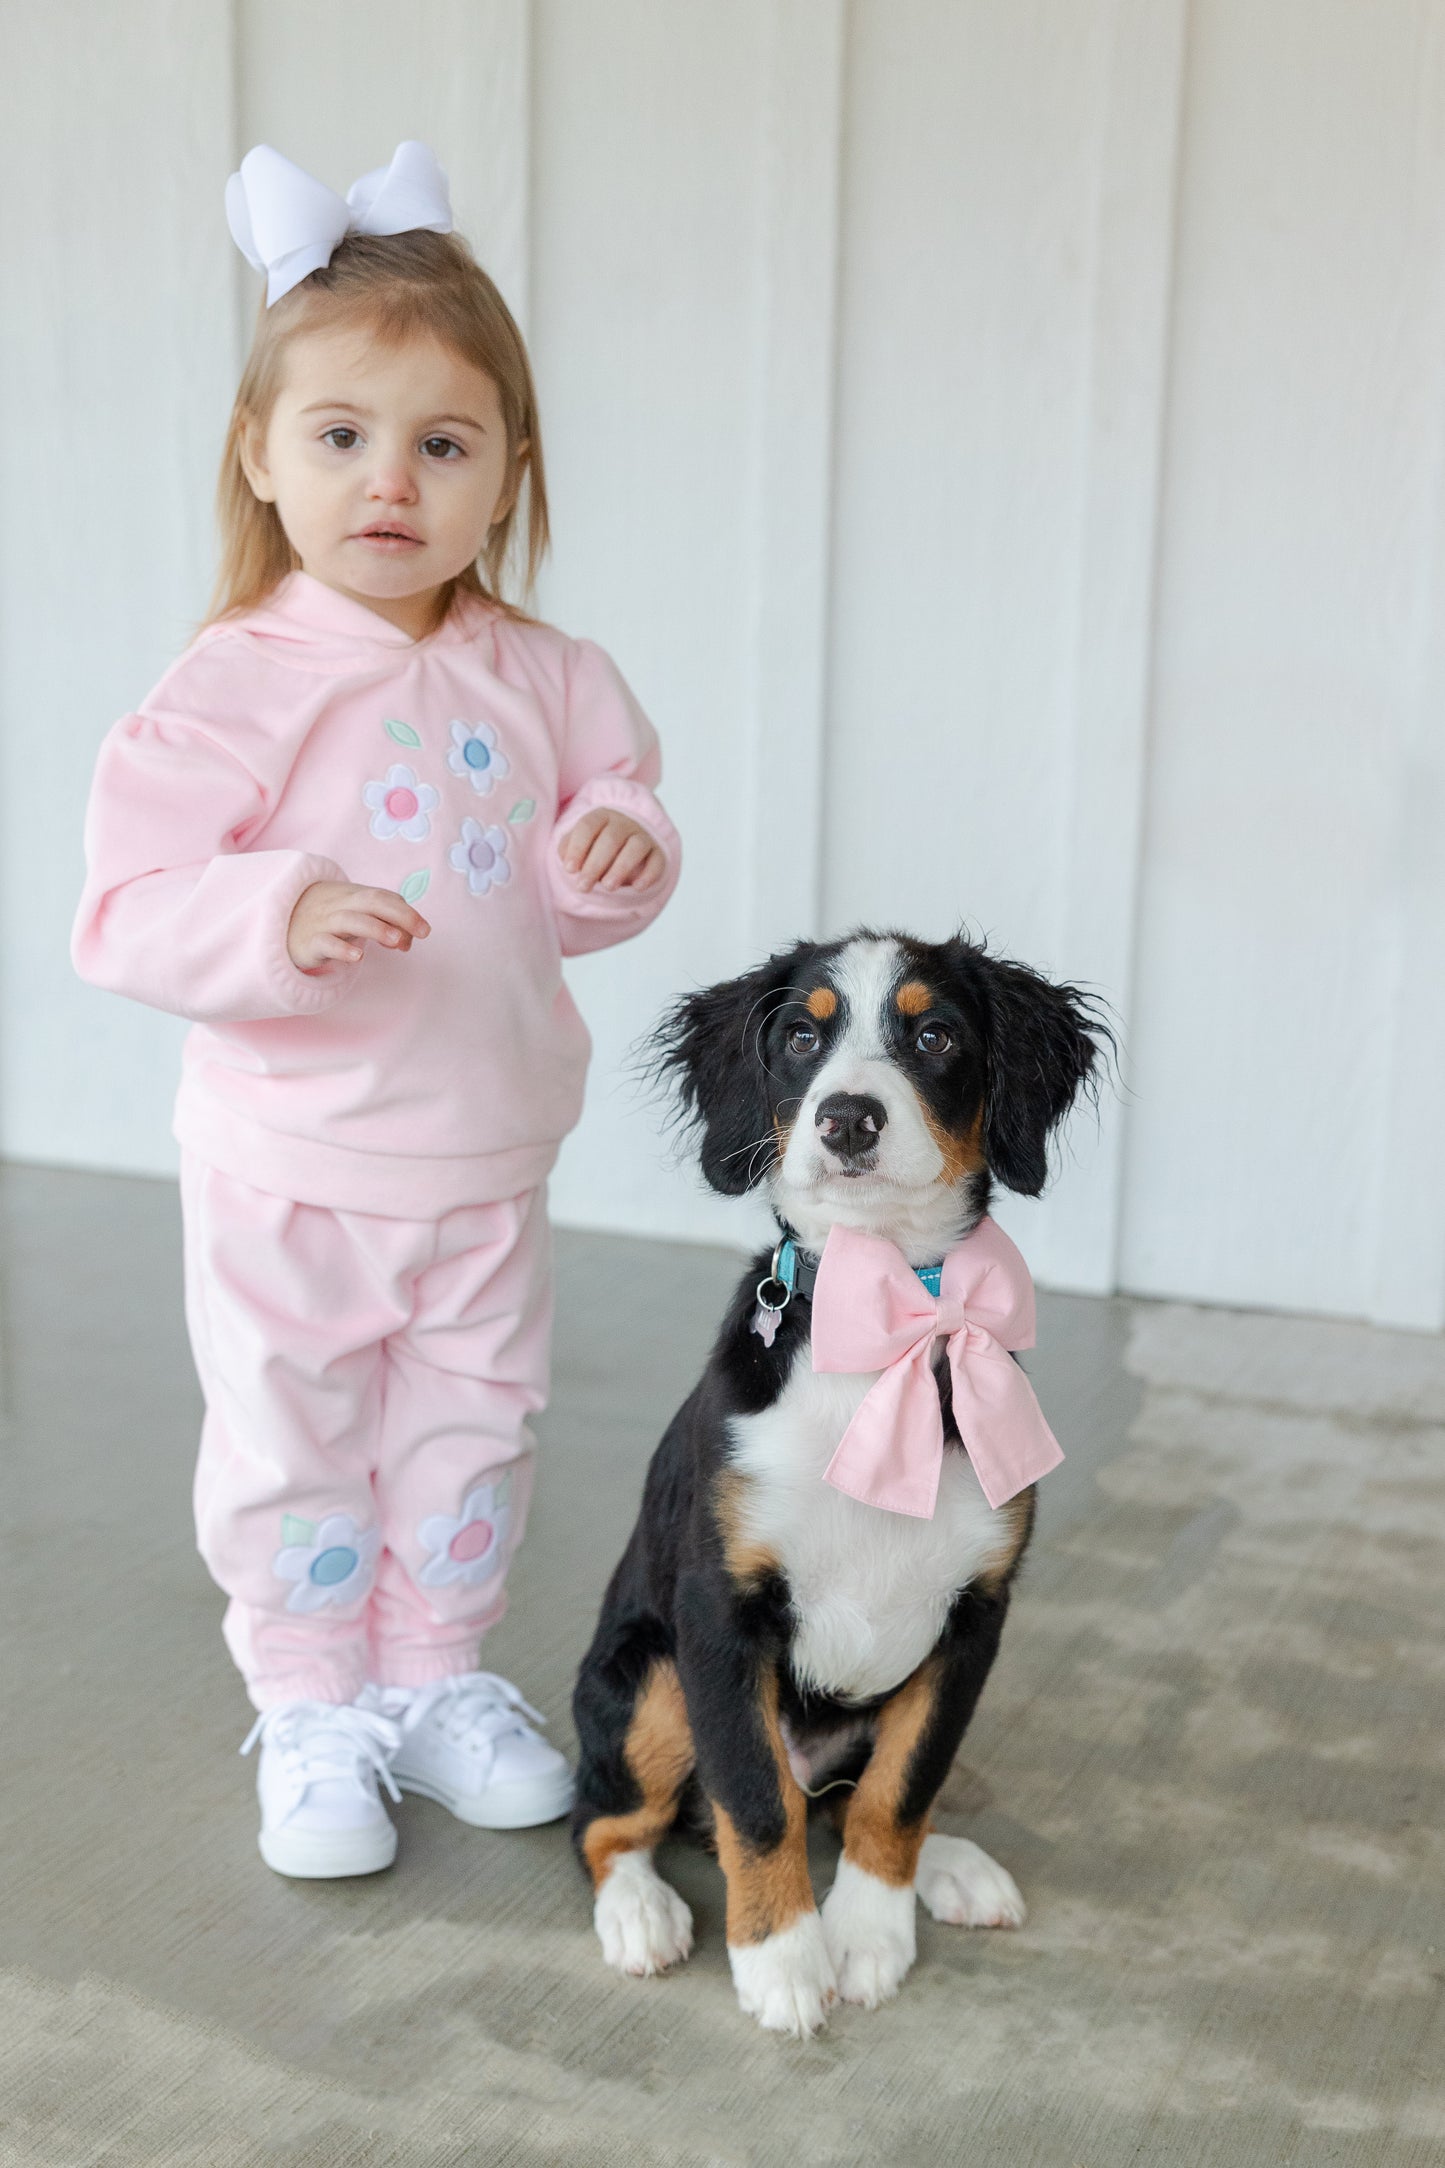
(387, 467)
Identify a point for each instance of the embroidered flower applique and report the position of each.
(471, 1545)
(475, 755)
(401, 805)
(331, 1562)
(482, 857)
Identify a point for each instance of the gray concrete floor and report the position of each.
(1211, 1753)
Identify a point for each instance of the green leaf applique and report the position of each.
(295, 1530)
(416, 885)
(522, 810)
(402, 732)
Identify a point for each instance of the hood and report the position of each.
(318, 628)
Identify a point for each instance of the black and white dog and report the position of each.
(766, 1635)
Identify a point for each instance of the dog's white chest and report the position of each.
(870, 1589)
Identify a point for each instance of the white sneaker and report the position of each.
(320, 1811)
(466, 1742)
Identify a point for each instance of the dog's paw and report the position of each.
(963, 1887)
(786, 1982)
(642, 1924)
(869, 1925)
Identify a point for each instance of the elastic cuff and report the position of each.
(302, 993)
(331, 1683)
(620, 794)
(401, 1665)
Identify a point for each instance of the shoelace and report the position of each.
(471, 1707)
(321, 1739)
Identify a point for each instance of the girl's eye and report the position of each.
(933, 1039)
(441, 448)
(341, 438)
(802, 1039)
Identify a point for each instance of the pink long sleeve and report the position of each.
(173, 912)
(312, 740)
(609, 758)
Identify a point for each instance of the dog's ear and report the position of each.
(710, 1048)
(1045, 1044)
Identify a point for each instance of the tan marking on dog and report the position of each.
(1018, 1520)
(659, 1752)
(873, 1836)
(822, 1003)
(913, 997)
(767, 1890)
(747, 1560)
(960, 1155)
(783, 1131)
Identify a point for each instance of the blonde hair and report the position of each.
(396, 287)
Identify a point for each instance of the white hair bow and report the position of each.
(289, 225)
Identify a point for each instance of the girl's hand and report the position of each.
(609, 850)
(333, 921)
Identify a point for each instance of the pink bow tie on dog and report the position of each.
(872, 1312)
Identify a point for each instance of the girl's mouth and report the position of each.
(389, 536)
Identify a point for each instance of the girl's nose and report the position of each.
(392, 482)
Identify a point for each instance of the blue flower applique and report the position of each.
(330, 1564)
(475, 755)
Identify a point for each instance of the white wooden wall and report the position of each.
(1001, 440)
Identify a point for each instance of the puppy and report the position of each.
(815, 1588)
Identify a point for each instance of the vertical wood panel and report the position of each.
(1006, 252)
(649, 133)
(969, 182)
(793, 451)
(1408, 1282)
(1407, 1286)
(1298, 512)
(115, 381)
(1113, 611)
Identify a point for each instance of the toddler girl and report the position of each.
(351, 834)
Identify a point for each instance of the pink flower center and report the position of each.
(400, 803)
(473, 1541)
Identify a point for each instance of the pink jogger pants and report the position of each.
(365, 1463)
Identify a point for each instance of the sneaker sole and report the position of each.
(499, 1807)
(307, 1857)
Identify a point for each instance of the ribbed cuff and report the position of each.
(334, 1683)
(413, 1664)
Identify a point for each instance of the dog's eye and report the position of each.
(802, 1039)
(933, 1039)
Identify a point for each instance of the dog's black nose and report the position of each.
(851, 1123)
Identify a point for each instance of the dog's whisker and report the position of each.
(750, 1146)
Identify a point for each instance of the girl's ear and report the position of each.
(709, 1048)
(517, 474)
(1045, 1044)
(251, 444)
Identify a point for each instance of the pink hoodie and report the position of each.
(313, 741)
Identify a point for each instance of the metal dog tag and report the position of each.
(765, 1317)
